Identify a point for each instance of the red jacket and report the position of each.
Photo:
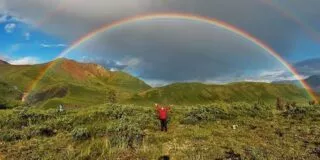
(163, 112)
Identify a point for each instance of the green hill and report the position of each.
(196, 93)
(313, 81)
(83, 84)
(80, 83)
(9, 95)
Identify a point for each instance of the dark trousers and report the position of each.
(164, 123)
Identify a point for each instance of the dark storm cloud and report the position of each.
(174, 51)
(72, 20)
(181, 50)
(308, 67)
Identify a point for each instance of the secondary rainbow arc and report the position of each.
(207, 20)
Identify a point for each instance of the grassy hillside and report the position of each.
(313, 81)
(9, 95)
(83, 83)
(201, 93)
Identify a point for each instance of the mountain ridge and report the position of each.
(70, 82)
(313, 81)
(196, 93)
(2, 62)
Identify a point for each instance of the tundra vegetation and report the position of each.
(117, 131)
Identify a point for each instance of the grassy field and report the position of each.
(113, 131)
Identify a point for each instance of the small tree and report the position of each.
(288, 106)
(3, 103)
(279, 104)
(112, 96)
(311, 103)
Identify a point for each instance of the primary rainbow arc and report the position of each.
(202, 19)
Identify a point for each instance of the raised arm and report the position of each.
(156, 106)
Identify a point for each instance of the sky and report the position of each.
(167, 50)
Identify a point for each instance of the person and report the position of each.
(60, 109)
(163, 116)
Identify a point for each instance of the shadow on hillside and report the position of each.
(164, 158)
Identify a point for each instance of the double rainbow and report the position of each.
(180, 16)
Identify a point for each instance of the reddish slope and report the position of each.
(3, 62)
(83, 71)
(70, 70)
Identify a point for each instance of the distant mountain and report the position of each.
(201, 93)
(72, 83)
(313, 81)
(308, 67)
(68, 81)
(3, 62)
(312, 63)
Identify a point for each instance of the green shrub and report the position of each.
(62, 123)
(303, 112)
(33, 117)
(10, 135)
(125, 133)
(257, 110)
(46, 131)
(12, 121)
(80, 134)
(42, 130)
(204, 114)
(116, 111)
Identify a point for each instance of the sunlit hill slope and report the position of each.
(81, 84)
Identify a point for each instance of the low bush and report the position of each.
(204, 114)
(32, 117)
(248, 110)
(12, 121)
(115, 111)
(125, 133)
(42, 130)
(80, 134)
(10, 135)
(46, 131)
(303, 112)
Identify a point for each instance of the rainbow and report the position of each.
(180, 16)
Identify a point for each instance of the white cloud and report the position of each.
(132, 62)
(24, 61)
(10, 27)
(279, 75)
(27, 36)
(52, 45)
(113, 69)
(6, 17)
(157, 83)
(3, 18)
